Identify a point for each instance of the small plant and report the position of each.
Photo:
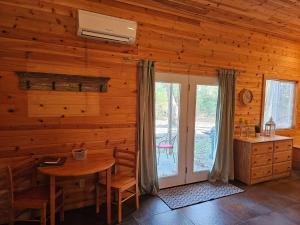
(257, 129)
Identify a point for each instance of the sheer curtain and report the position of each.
(279, 102)
(223, 168)
(148, 179)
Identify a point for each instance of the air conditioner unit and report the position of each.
(97, 26)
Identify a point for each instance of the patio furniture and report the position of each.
(212, 135)
(73, 168)
(167, 145)
(35, 197)
(124, 182)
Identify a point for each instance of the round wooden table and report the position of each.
(72, 168)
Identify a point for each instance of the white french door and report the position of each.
(170, 127)
(185, 112)
(201, 136)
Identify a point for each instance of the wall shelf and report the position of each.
(61, 82)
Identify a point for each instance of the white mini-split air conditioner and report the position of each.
(97, 26)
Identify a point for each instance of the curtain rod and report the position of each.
(183, 63)
(237, 70)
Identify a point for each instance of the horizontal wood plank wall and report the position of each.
(40, 36)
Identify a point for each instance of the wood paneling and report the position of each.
(40, 36)
(61, 104)
(277, 17)
(296, 158)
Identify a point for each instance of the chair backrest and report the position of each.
(128, 160)
(9, 185)
(165, 140)
(26, 176)
(172, 141)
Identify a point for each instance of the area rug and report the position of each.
(181, 196)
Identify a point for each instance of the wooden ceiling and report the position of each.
(279, 18)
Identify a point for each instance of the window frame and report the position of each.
(265, 78)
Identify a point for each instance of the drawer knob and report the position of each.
(277, 147)
(270, 147)
(289, 156)
(269, 159)
(275, 158)
(269, 171)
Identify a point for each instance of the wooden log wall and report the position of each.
(40, 36)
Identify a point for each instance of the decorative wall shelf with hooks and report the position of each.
(61, 82)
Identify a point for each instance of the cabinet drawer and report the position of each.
(280, 146)
(261, 148)
(260, 172)
(262, 159)
(284, 167)
(282, 156)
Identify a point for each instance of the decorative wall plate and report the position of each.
(246, 96)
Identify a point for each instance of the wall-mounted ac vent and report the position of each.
(97, 26)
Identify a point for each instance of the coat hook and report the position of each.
(53, 85)
(28, 84)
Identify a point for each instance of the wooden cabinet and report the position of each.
(296, 157)
(262, 159)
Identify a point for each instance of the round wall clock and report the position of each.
(246, 96)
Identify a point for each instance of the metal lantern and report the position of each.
(270, 128)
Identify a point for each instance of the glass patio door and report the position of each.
(185, 112)
(170, 123)
(203, 96)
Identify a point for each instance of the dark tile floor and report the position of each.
(275, 203)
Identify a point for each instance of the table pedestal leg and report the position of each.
(108, 195)
(52, 200)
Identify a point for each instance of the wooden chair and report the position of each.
(123, 182)
(34, 198)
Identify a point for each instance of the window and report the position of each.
(279, 103)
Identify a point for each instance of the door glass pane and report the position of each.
(205, 127)
(167, 99)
